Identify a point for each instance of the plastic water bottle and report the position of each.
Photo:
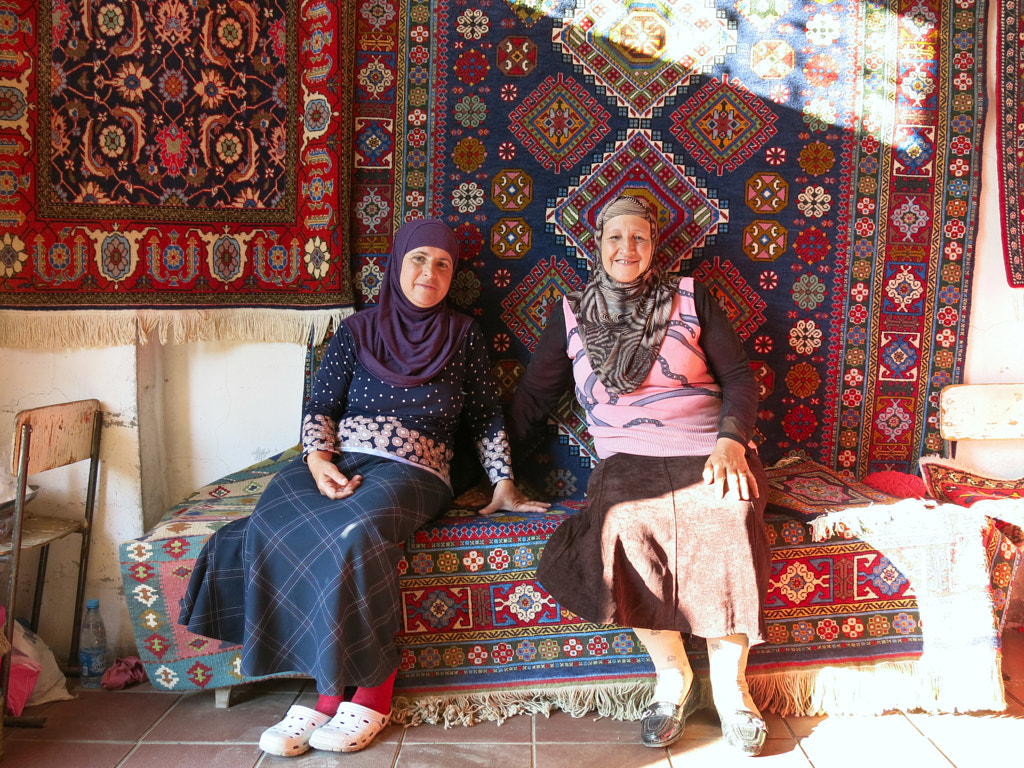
(92, 646)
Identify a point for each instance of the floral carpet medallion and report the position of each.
(162, 154)
(180, 132)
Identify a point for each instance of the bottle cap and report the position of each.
(92, 602)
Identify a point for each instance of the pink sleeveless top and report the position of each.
(675, 410)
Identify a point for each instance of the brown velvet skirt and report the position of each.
(655, 549)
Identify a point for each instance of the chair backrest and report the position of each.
(61, 434)
(981, 412)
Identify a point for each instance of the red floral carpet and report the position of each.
(160, 155)
(816, 165)
(1010, 93)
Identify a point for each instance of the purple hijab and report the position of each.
(401, 344)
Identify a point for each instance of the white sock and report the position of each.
(668, 654)
(727, 658)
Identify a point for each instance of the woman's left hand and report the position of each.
(728, 471)
(506, 496)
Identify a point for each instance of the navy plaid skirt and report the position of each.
(309, 585)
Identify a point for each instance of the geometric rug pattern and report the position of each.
(475, 620)
(1010, 102)
(817, 166)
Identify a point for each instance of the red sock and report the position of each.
(377, 698)
(328, 705)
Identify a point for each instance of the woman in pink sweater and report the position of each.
(672, 541)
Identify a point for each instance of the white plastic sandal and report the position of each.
(352, 729)
(290, 737)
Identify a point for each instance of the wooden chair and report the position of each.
(46, 438)
(980, 412)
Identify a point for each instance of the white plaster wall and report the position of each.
(223, 406)
(176, 418)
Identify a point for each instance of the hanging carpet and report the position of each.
(173, 167)
(816, 165)
(1010, 96)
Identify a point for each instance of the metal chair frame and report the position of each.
(46, 438)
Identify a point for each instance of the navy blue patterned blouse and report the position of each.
(351, 410)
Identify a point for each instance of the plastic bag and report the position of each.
(50, 685)
(21, 682)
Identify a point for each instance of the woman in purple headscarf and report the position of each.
(308, 583)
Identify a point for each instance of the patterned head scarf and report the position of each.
(398, 342)
(622, 325)
(627, 205)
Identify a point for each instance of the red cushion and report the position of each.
(898, 484)
(954, 483)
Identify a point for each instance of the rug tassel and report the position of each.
(620, 701)
(907, 686)
(85, 329)
(60, 330)
(870, 689)
(264, 325)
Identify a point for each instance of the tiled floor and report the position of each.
(143, 728)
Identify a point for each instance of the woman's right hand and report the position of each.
(329, 479)
(727, 469)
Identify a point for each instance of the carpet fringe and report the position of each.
(872, 689)
(868, 689)
(91, 328)
(59, 330)
(619, 701)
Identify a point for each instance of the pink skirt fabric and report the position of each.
(655, 549)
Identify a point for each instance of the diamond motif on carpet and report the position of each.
(723, 125)
(741, 303)
(642, 51)
(525, 310)
(559, 123)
